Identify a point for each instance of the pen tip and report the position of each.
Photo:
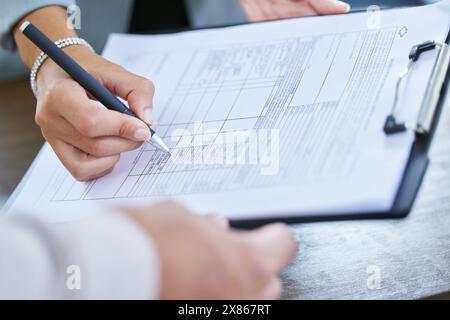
(160, 143)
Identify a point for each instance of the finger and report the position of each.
(93, 121)
(270, 10)
(292, 8)
(98, 147)
(299, 8)
(272, 290)
(82, 166)
(218, 220)
(329, 6)
(272, 247)
(254, 11)
(137, 91)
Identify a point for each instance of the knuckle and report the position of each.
(40, 118)
(147, 85)
(98, 148)
(43, 112)
(80, 172)
(89, 124)
(124, 129)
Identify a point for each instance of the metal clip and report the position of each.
(432, 93)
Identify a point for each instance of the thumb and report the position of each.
(136, 90)
(272, 246)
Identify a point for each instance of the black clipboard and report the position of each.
(404, 199)
(412, 177)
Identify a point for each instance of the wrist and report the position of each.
(51, 20)
(50, 72)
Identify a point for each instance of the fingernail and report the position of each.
(142, 134)
(147, 115)
(344, 5)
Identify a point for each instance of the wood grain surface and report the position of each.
(411, 256)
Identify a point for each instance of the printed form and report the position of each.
(303, 100)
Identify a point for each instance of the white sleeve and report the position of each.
(105, 257)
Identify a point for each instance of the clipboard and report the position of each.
(424, 128)
(418, 159)
(410, 181)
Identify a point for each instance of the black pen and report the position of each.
(87, 81)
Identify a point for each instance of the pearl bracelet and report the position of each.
(62, 43)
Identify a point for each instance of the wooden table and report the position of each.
(336, 260)
(411, 256)
(20, 137)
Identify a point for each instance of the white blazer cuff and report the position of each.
(111, 257)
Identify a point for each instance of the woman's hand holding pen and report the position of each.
(88, 139)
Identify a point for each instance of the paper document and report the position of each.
(278, 118)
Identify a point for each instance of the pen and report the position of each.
(87, 81)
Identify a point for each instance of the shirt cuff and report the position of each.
(12, 11)
(112, 256)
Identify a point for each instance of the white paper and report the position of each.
(325, 84)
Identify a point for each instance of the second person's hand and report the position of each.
(257, 10)
(202, 258)
(89, 139)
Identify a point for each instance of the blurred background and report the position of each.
(20, 138)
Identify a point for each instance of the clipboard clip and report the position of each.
(432, 93)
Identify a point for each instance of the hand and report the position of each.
(87, 139)
(202, 258)
(257, 10)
